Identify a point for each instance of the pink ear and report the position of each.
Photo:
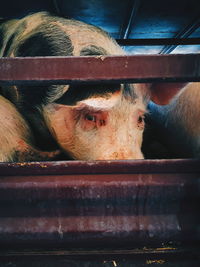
(162, 93)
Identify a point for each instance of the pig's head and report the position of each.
(104, 122)
(99, 126)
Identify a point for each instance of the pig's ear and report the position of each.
(162, 93)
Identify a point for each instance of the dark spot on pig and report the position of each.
(35, 45)
(1, 38)
(48, 41)
(77, 93)
(93, 50)
(39, 45)
(11, 43)
(129, 92)
(2, 20)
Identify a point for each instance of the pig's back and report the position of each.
(184, 115)
(41, 34)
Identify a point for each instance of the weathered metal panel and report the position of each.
(114, 207)
(64, 70)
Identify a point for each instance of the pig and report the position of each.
(87, 122)
(16, 140)
(177, 125)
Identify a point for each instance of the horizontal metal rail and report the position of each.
(66, 70)
(158, 41)
(103, 167)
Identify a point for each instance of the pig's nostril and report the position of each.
(115, 155)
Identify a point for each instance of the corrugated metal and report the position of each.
(99, 204)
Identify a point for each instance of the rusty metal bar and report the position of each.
(57, 9)
(62, 70)
(99, 209)
(103, 167)
(158, 41)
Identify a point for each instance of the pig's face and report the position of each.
(99, 128)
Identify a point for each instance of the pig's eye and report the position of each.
(140, 122)
(140, 119)
(90, 117)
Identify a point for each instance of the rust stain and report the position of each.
(112, 261)
(165, 248)
(22, 164)
(43, 166)
(160, 249)
(155, 261)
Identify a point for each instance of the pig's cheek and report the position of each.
(60, 122)
(63, 131)
(139, 137)
(62, 134)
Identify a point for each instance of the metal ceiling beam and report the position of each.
(158, 41)
(186, 32)
(56, 6)
(131, 16)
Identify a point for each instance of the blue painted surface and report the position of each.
(154, 19)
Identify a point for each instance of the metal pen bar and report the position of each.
(93, 69)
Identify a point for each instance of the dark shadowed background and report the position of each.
(127, 19)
